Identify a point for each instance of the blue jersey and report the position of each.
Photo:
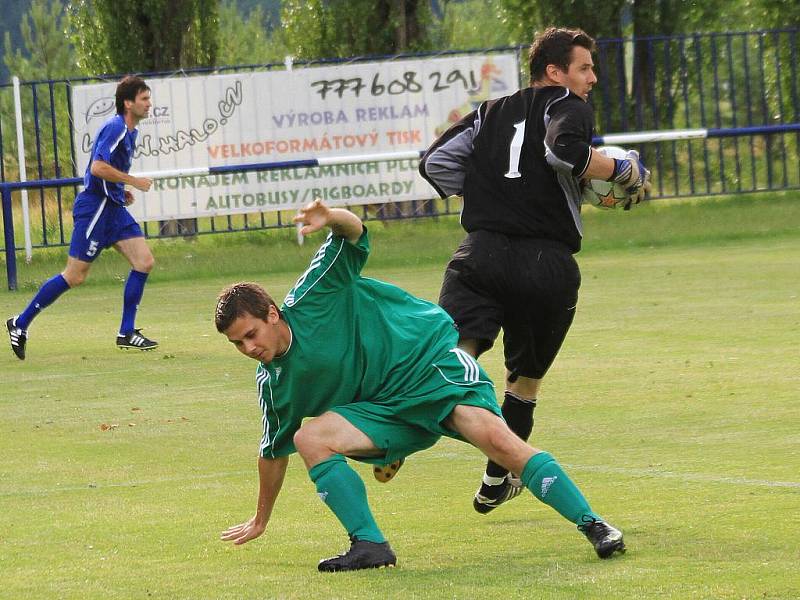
(114, 145)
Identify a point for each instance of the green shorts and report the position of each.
(412, 421)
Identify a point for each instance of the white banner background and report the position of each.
(245, 118)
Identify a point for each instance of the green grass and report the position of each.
(673, 404)
(431, 241)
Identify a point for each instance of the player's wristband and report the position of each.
(622, 171)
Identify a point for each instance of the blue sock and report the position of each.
(134, 290)
(47, 294)
(340, 487)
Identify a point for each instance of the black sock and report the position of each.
(518, 414)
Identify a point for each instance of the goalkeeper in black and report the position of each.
(519, 162)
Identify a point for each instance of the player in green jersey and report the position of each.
(380, 372)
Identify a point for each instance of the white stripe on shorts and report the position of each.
(96, 217)
(470, 366)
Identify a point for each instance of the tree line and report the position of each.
(647, 83)
(93, 37)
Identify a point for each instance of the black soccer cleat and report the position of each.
(605, 538)
(362, 555)
(385, 473)
(18, 337)
(136, 341)
(509, 489)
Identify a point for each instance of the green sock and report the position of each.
(546, 480)
(343, 491)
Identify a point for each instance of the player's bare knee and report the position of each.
(525, 388)
(309, 442)
(74, 279)
(304, 441)
(146, 264)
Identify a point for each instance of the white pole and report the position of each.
(185, 172)
(628, 32)
(654, 136)
(23, 176)
(288, 62)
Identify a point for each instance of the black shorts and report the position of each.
(528, 287)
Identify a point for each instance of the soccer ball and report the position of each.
(606, 194)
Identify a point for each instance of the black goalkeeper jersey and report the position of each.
(518, 161)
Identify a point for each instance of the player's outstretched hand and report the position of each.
(244, 532)
(313, 217)
(639, 182)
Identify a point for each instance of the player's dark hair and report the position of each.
(128, 89)
(554, 47)
(240, 299)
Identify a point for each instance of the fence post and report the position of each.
(23, 176)
(288, 62)
(11, 250)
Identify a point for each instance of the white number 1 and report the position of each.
(515, 150)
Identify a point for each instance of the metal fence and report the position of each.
(728, 80)
(743, 84)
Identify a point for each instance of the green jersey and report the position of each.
(353, 339)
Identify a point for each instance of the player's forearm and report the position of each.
(271, 472)
(345, 224)
(105, 171)
(600, 167)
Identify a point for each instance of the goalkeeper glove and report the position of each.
(632, 175)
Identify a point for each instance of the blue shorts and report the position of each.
(99, 222)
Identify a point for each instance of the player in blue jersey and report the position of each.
(101, 220)
(380, 374)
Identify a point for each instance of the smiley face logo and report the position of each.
(100, 108)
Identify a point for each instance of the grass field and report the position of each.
(674, 404)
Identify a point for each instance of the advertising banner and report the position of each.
(310, 113)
